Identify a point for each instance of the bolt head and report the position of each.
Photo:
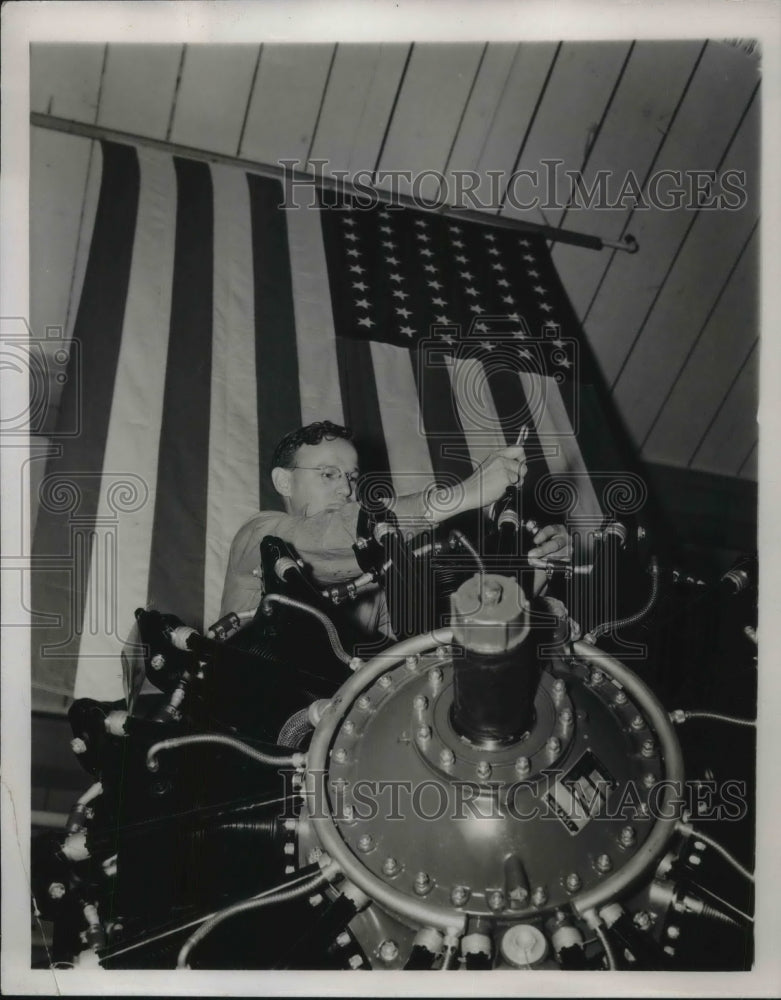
(435, 676)
(642, 920)
(355, 961)
(343, 939)
(559, 687)
(673, 932)
(340, 755)
(411, 662)
(424, 733)
(459, 895)
(56, 890)
(648, 748)
(565, 716)
(385, 681)
(365, 842)
(627, 836)
(483, 769)
(446, 757)
(620, 698)
(78, 746)
(420, 703)
(539, 896)
(443, 652)
(157, 662)
(597, 677)
(553, 745)
(389, 951)
(364, 702)
(523, 765)
(495, 900)
(573, 882)
(638, 722)
(390, 866)
(349, 727)
(604, 863)
(422, 883)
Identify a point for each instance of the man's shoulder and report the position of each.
(260, 524)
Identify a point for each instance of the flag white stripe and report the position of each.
(476, 409)
(559, 442)
(318, 373)
(119, 573)
(86, 228)
(402, 425)
(233, 492)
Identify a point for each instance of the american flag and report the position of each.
(214, 317)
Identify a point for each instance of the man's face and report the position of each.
(313, 485)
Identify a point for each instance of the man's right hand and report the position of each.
(505, 467)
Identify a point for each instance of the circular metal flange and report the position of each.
(373, 729)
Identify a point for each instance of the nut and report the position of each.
(389, 951)
(446, 757)
(523, 765)
(157, 662)
(539, 896)
(56, 890)
(365, 843)
(573, 882)
(604, 863)
(78, 746)
(459, 895)
(422, 883)
(483, 769)
(390, 866)
(411, 662)
(627, 836)
(495, 900)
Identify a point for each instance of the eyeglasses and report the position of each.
(331, 474)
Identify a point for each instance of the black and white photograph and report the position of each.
(387, 444)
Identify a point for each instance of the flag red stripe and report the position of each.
(179, 533)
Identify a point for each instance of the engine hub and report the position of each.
(438, 829)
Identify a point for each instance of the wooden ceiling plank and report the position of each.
(497, 119)
(628, 141)
(285, 102)
(568, 117)
(65, 79)
(138, 88)
(694, 283)
(213, 95)
(714, 104)
(735, 426)
(708, 373)
(710, 369)
(435, 89)
(489, 88)
(358, 101)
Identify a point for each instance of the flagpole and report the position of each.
(299, 177)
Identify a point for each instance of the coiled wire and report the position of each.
(618, 623)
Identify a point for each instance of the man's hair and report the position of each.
(285, 451)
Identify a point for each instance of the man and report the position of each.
(315, 472)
